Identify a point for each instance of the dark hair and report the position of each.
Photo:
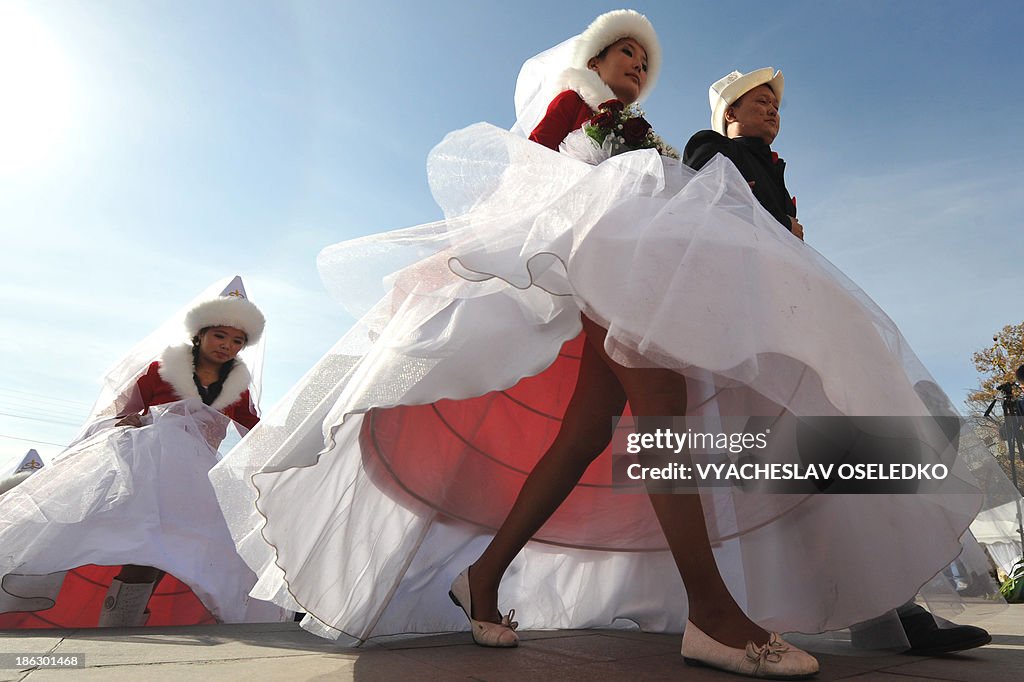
(604, 53)
(209, 393)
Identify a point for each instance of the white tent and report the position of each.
(30, 462)
(997, 530)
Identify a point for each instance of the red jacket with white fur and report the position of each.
(170, 379)
(566, 113)
(583, 92)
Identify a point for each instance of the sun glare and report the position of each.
(35, 91)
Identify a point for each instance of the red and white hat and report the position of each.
(231, 309)
(616, 25)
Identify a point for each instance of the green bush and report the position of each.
(1013, 589)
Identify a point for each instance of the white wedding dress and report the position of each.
(385, 471)
(129, 496)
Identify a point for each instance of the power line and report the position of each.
(37, 411)
(45, 397)
(41, 408)
(33, 440)
(38, 419)
(29, 399)
(41, 404)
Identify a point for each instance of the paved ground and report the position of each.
(285, 652)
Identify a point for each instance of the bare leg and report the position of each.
(585, 432)
(662, 393)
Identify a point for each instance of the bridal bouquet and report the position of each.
(616, 128)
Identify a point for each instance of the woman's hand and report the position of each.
(796, 228)
(131, 420)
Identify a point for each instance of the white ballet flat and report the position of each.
(776, 660)
(484, 633)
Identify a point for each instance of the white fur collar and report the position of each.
(587, 84)
(176, 368)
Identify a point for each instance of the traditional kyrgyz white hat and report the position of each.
(231, 309)
(616, 25)
(724, 92)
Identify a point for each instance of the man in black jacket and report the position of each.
(745, 122)
(745, 118)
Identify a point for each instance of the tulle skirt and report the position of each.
(389, 466)
(127, 496)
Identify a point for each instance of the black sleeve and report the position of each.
(703, 146)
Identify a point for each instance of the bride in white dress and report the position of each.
(125, 517)
(389, 467)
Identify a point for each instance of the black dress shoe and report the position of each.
(928, 639)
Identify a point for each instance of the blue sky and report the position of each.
(150, 148)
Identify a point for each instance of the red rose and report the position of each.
(603, 119)
(613, 105)
(635, 130)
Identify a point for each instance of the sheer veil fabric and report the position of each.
(386, 469)
(122, 495)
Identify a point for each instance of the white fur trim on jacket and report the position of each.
(587, 84)
(616, 25)
(227, 311)
(176, 368)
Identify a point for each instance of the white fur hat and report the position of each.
(230, 309)
(616, 25)
(725, 91)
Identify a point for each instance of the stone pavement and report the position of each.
(283, 651)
